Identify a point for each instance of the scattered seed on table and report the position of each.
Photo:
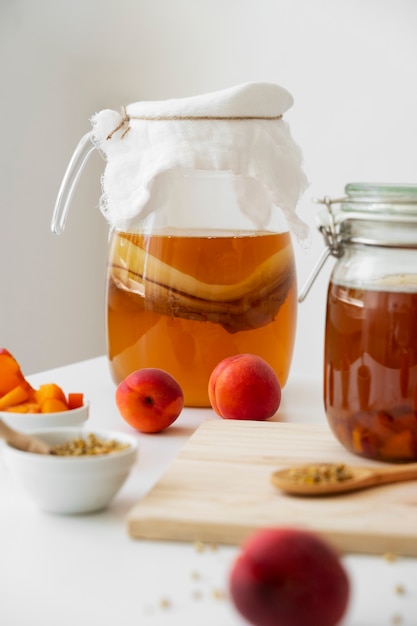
(199, 546)
(165, 603)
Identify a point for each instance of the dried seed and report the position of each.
(165, 603)
(326, 473)
(196, 594)
(199, 546)
(88, 447)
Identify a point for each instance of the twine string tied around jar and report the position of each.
(124, 124)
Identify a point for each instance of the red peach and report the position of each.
(289, 577)
(244, 387)
(149, 400)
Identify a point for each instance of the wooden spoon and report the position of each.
(22, 441)
(355, 478)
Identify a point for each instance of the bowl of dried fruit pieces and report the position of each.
(25, 407)
(26, 422)
(81, 472)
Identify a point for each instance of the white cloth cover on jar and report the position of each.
(240, 130)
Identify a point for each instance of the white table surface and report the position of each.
(86, 570)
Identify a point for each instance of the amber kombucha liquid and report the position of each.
(370, 378)
(184, 303)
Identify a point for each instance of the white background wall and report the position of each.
(351, 66)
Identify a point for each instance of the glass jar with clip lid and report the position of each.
(370, 352)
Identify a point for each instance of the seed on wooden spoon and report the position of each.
(333, 478)
(22, 441)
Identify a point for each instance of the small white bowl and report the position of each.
(71, 484)
(25, 422)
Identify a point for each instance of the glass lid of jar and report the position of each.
(386, 198)
(370, 214)
(379, 202)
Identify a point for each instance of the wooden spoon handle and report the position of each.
(397, 473)
(21, 441)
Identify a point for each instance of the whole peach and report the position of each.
(244, 387)
(149, 399)
(289, 577)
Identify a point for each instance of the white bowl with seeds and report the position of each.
(83, 473)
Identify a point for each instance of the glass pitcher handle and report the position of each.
(314, 273)
(78, 160)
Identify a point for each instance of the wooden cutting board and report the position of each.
(218, 490)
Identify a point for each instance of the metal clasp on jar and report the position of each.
(332, 240)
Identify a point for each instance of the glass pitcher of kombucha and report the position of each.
(370, 354)
(185, 293)
(201, 209)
